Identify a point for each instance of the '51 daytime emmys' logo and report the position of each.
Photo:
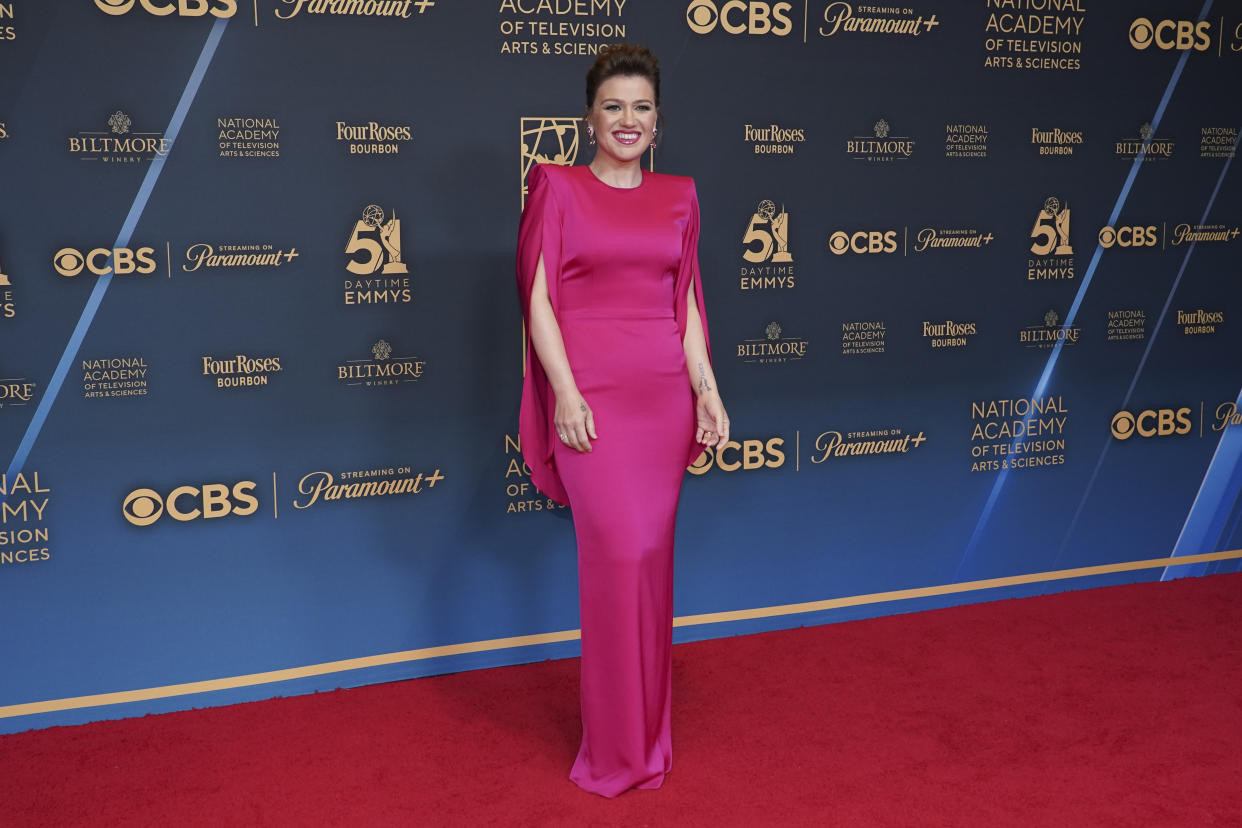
(765, 249)
(182, 8)
(1050, 244)
(770, 230)
(379, 240)
(8, 307)
(374, 250)
(1051, 230)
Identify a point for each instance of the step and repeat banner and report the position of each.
(973, 272)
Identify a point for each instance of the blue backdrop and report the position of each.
(972, 283)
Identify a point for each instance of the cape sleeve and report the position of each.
(687, 276)
(539, 232)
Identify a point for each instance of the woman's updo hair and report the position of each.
(622, 59)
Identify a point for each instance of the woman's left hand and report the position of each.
(712, 423)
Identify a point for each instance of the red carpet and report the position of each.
(1119, 706)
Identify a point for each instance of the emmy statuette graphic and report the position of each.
(773, 241)
(382, 255)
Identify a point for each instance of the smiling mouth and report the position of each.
(627, 137)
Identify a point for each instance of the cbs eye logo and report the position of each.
(182, 8)
(1135, 236)
(748, 455)
(1171, 34)
(1163, 422)
(102, 261)
(737, 17)
(864, 241)
(142, 507)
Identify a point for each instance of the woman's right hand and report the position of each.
(575, 424)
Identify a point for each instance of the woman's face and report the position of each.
(624, 117)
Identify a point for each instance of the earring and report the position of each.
(591, 134)
(653, 137)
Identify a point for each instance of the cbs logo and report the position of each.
(864, 241)
(1171, 34)
(1162, 422)
(1130, 236)
(737, 17)
(102, 261)
(754, 454)
(142, 507)
(183, 8)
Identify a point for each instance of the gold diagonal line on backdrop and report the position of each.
(234, 682)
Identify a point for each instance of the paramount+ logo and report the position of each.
(181, 8)
(1152, 422)
(1180, 35)
(736, 17)
(101, 261)
(143, 507)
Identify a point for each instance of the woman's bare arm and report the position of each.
(712, 425)
(573, 417)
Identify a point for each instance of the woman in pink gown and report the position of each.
(619, 397)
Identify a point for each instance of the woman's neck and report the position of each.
(621, 174)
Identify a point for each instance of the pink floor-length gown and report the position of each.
(619, 264)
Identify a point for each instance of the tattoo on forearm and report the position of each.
(703, 384)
